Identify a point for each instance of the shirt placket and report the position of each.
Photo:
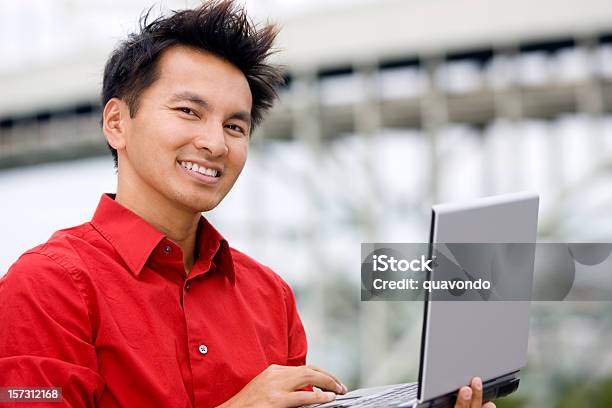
(198, 347)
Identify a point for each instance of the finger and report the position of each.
(476, 385)
(464, 396)
(336, 379)
(304, 375)
(489, 405)
(299, 398)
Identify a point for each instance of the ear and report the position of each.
(115, 118)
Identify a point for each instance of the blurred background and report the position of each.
(390, 106)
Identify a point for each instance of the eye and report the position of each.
(236, 128)
(187, 111)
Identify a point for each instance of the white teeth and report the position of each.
(199, 169)
(207, 172)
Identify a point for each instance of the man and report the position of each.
(146, 304)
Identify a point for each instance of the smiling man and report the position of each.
(147, 304)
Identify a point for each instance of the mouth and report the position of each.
(201, 173)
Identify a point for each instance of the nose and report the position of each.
(212, 138)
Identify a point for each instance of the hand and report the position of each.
(279, 387)
(471, 397)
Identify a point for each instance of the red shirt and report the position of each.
(105, 311)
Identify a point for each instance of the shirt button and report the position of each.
(187, 286)
(203, 349)
(167, 249)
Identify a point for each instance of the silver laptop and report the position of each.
(463, 339)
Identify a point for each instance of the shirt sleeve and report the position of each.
(46, 333)
(298, 345)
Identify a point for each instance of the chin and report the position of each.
(204, 204)
(193, 201)
(207, 207)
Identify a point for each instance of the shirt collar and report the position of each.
(135, 239)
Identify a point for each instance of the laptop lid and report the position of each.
(462, 339)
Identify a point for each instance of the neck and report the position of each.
(176, 222)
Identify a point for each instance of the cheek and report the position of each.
(147, 154)
(238, 152)
(159, 140)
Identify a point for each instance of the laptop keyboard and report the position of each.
(393, 397)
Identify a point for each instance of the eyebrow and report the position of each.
(194, 98)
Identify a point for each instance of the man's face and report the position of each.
(197, 113)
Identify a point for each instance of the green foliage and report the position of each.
(511, 402)
(587, 395)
